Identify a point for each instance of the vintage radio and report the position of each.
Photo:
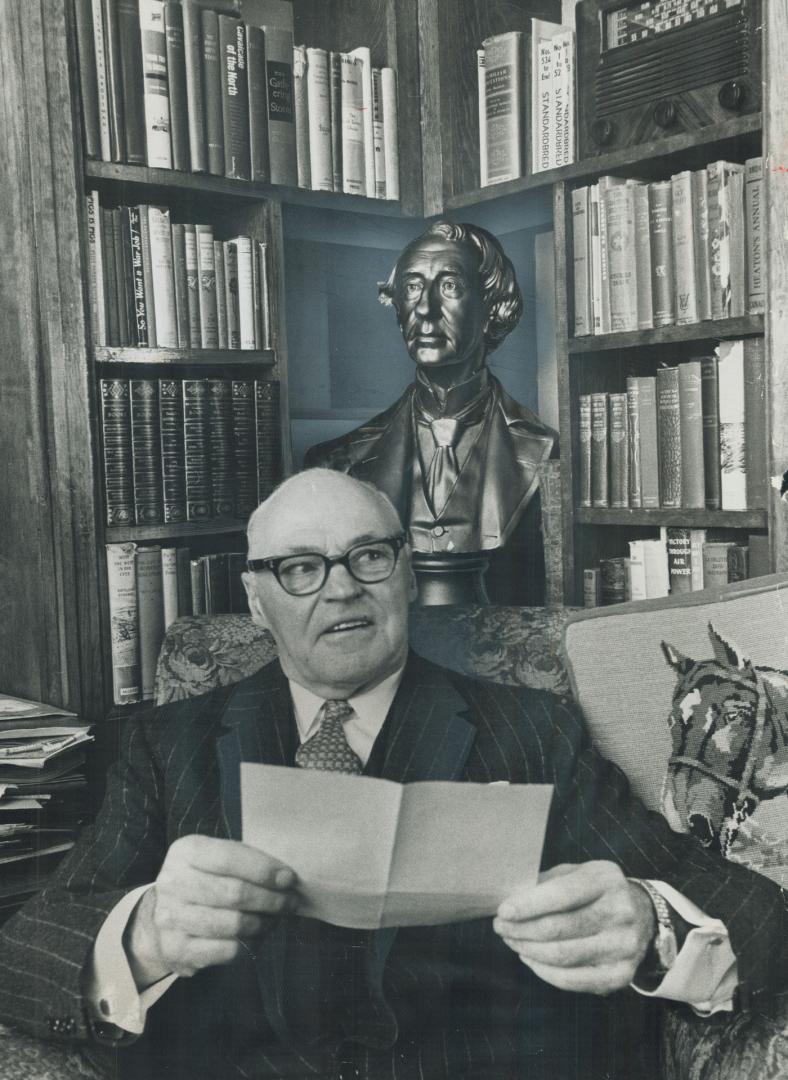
(648, 70)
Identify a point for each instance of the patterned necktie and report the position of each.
(328, 748)
(444, 469)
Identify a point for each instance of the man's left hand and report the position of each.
(584, 927)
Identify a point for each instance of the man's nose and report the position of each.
(340, 584)
(428, 300)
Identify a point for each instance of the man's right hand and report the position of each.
(210, 896)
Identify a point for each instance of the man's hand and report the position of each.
(583, 928)
(211, 894)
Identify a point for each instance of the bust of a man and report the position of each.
(456, 455)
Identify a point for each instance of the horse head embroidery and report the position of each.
(729, 729)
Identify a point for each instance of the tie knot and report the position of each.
(336, 709)
(444, 431)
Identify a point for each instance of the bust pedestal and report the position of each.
(451, 579)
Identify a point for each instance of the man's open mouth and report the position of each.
(347, 625)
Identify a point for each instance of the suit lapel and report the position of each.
(388, 461)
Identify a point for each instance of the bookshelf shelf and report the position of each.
(121, 534)
(711, 330)
(107, 354)
(692, 519)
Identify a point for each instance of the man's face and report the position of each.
(439, 306)
(348, 635)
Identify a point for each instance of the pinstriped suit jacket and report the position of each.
(177, 774)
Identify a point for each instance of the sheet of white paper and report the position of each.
(371, 853)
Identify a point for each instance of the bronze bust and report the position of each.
(457, 456)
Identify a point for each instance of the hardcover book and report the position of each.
(318, 94)
(733, 476)
(643, 256)
(633, 433)
(209, 323)
(220, 446)
(600, 443)
(649, 442)
(268, 436)
(173, 464)
(619, 450)
(195, 97)
(195, 438)
(388, 89)
(124, 627)
(244, 447)
(377, 134)
(353, 174)
(212, 72)
(116, 446)
(363, 56)
(585, 450)
(176, 77)
(132, 81)
(726, 238)
(150, 614)
(155, 84)
(258, 112)
(662, 281)
(621, 259)
(301, 104)
(678, 542)
(162, 278)
(281, 110)
(711, 432)
(504, 104)
(235, 98)
(669, 436)
(756, 284)
(684, 268)
(582, 293)
(693, 489)
(146, 451)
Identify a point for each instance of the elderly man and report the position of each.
(456, 455)
(180, 949)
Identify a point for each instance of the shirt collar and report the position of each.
(436, 402)
(371, 707)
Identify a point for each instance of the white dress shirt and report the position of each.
(704, 974)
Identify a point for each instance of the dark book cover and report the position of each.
(110, 277)
(600, 444)
(146, 451)
(258, 113)
(116, 445)
(135, 277)
(661, 232)
(235, 98)
(619, 451)
(180, 277)
(217, 584)
(173, 461)
(679, 545)
(193, 285)
(710, 404)
(268, 436)
(585, 450)
(669, 436)
(147, 274)
(176, 74)
(212, 90)
(120, 277)
(281, 106)
(756, 426)
(132, 80)
(197, 589)
(244, 447)
(117, 118)
(195, 97)
(195, 438)
(183, 559)
(220, 446)
(613, 580)
(335, 104)
(633, 435)
(693, 488)
(88, 84)
(738, 562)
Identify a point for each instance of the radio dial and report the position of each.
(665, 113)
(603, 132)
(732, 95)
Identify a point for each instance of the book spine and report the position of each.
(585, 450)
(503, 101)
(738, 563)
(697, 540)
(147, 274)
(212, 92)
(678, 542)
(622, 269)
(146, 451)
(244, 447)
(481, 62)
(592, 593)
(124, 625)
(693, 488)
(156, 84)
(600, 442)
(87, 78)
(643, 258)
(733, 478)
(173, 467)
(335, 90)
(595, 250)
(231, 289)
(700, 219)
(636, 571)
(258, 113)
(568, 140)
(169, 584)
(633, 432)
(117, 120)
(363, 55)
(184, 582)
(715, 564)
(195, 440)
(268, 437)
(353, 176)
(684, 271)
(150, 614)
(176, 76)
(541, 97)
(116, 445)
(221, 294)
(756, 427)
(613, 580)
(209, 324)
(281, 108)
(726, 217)
(197, 576)
(195, 97)
(756, 289)
(162, 278)
(738, 242)
(235, 98)
(669, 436)
(220, 447)
(649, 442)
(138, 317)
(96, 280)
(116, 226)
(217, 584)
(318, 93)
(582, 293)
(193, 285)
(711, 432)
(377, 135)
(263, 292)
(301, 102)
(102, 84)
(110, 280)
(661, 227)
(388, 90)
(245, 300)
(181, 285)
(606, 183)
(619, 450)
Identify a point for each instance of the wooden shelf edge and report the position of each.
(711, 330)
(122, 534)
(110, 354)
(692, 519)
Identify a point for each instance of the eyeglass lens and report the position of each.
(367, 563)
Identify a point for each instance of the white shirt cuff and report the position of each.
(111, 994)
(705, 973)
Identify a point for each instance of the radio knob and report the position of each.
(732, 95)
(603, 132)
(665, 113)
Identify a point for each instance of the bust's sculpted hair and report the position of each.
(501, 296)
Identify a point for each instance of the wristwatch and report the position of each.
(664, 945)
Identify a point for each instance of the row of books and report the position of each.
(158, 283)
(151, 586)
(692, 436)
(42, 793)
(175, 84)
(188, 449)
(681, 560)
(550, 108)
(675, 251)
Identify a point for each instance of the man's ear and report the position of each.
(255, 607)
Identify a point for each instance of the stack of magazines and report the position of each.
(43, 792)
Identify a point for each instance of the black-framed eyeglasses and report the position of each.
(368, 562)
